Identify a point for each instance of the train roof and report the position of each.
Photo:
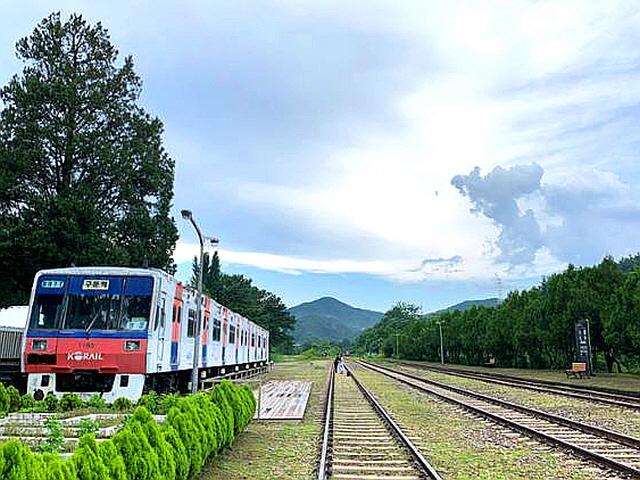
(104, 270)
(14, 317)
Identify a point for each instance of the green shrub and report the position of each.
(51, 402)
(112, 460)
(27, 401)
(157, 441)
(180, 455)
(149, 401)
(55, 468)
(14, 398)
(122, 404)
(219, 397)
(70, 401)
(17, 462)
(97, 402)
(5, 401)
(88, 426)
(139, 458)
(55, 436)
(87, 461)
(165, 403)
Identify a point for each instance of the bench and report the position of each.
(490, 363)
(577, 370)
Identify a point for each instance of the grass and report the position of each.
(462, 447)
(284, 450)
(615, 418)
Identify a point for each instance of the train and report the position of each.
(120, 332)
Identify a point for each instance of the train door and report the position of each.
(161, 325)
(175, 326)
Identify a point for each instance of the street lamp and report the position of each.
(188, 215)
(439, 322)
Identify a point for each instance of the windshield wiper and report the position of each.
(93, 320)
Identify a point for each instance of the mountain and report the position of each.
(329, 319)
(467, 304)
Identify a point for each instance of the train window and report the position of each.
(47, 310)
(124, 381)
(137, 310)
(191, 326)
(253, 340)
(232, 334)
(101, 312)
(161, 314)
(216, 330)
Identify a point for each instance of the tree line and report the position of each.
(84, 176)
(532, 328)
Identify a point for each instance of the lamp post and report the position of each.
(439, 322)
(188, 215)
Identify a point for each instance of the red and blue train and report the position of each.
(119, 332)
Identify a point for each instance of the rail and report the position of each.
(328, 416)
(617, 440)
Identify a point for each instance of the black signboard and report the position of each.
(583, 344)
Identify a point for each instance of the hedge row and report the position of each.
(196, 429)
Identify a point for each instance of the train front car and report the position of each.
(87, 332)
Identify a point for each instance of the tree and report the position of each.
(84, 177)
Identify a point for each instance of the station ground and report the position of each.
(459, 445)
(284, 449)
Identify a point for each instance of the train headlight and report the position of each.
(39, 345)
(131, 345)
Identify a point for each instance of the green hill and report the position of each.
(330, 319)
(467, 304)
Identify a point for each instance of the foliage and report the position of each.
(27, 401)
(122, 404)
(14, 398)
(51, 402)
(55, 436)
(196, 429)
(97, 402)
(88, 426)
(238, 293)
(70, 401)
(5, 400)
(84, 177)
(532, 328)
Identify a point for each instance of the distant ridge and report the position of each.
(467, 304)
(330, 319)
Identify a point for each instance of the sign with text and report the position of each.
(583, 343)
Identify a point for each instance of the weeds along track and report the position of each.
(612, 450)
(362, 442)
(607, 396)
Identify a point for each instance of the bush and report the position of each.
(5, 401)
(88, 426)
(55, 436)
(180, 455)
(70, 401)
(17, 462)
(165, 403)
(27, 401)
(149, 401)
(87, 461)
(51, 402)
(139, 458)
(55, 468)
(112, 460)
(157, 441)
(14, 398)
(122, 404)
(97, 402)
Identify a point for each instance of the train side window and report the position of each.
(191, 326)
(216, 330)
(253, 340)
(163, 313)
(232, 334)
(124, 381)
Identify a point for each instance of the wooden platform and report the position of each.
(283, 400)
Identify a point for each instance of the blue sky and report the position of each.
(383, 151)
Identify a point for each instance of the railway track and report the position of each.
(612, 450)
(361, 441)
(606, 396)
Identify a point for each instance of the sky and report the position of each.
(381, 151)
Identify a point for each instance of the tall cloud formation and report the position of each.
(495, 196)
(579, 217)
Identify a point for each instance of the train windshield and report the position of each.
(46, 312)
(92, 303)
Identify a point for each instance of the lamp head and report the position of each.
(213, 240)
(186, 214)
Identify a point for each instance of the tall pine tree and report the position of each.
(84, 177)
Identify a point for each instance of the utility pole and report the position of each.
(439, 322)
(195, 380)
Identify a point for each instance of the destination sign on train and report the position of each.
(95, 285)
